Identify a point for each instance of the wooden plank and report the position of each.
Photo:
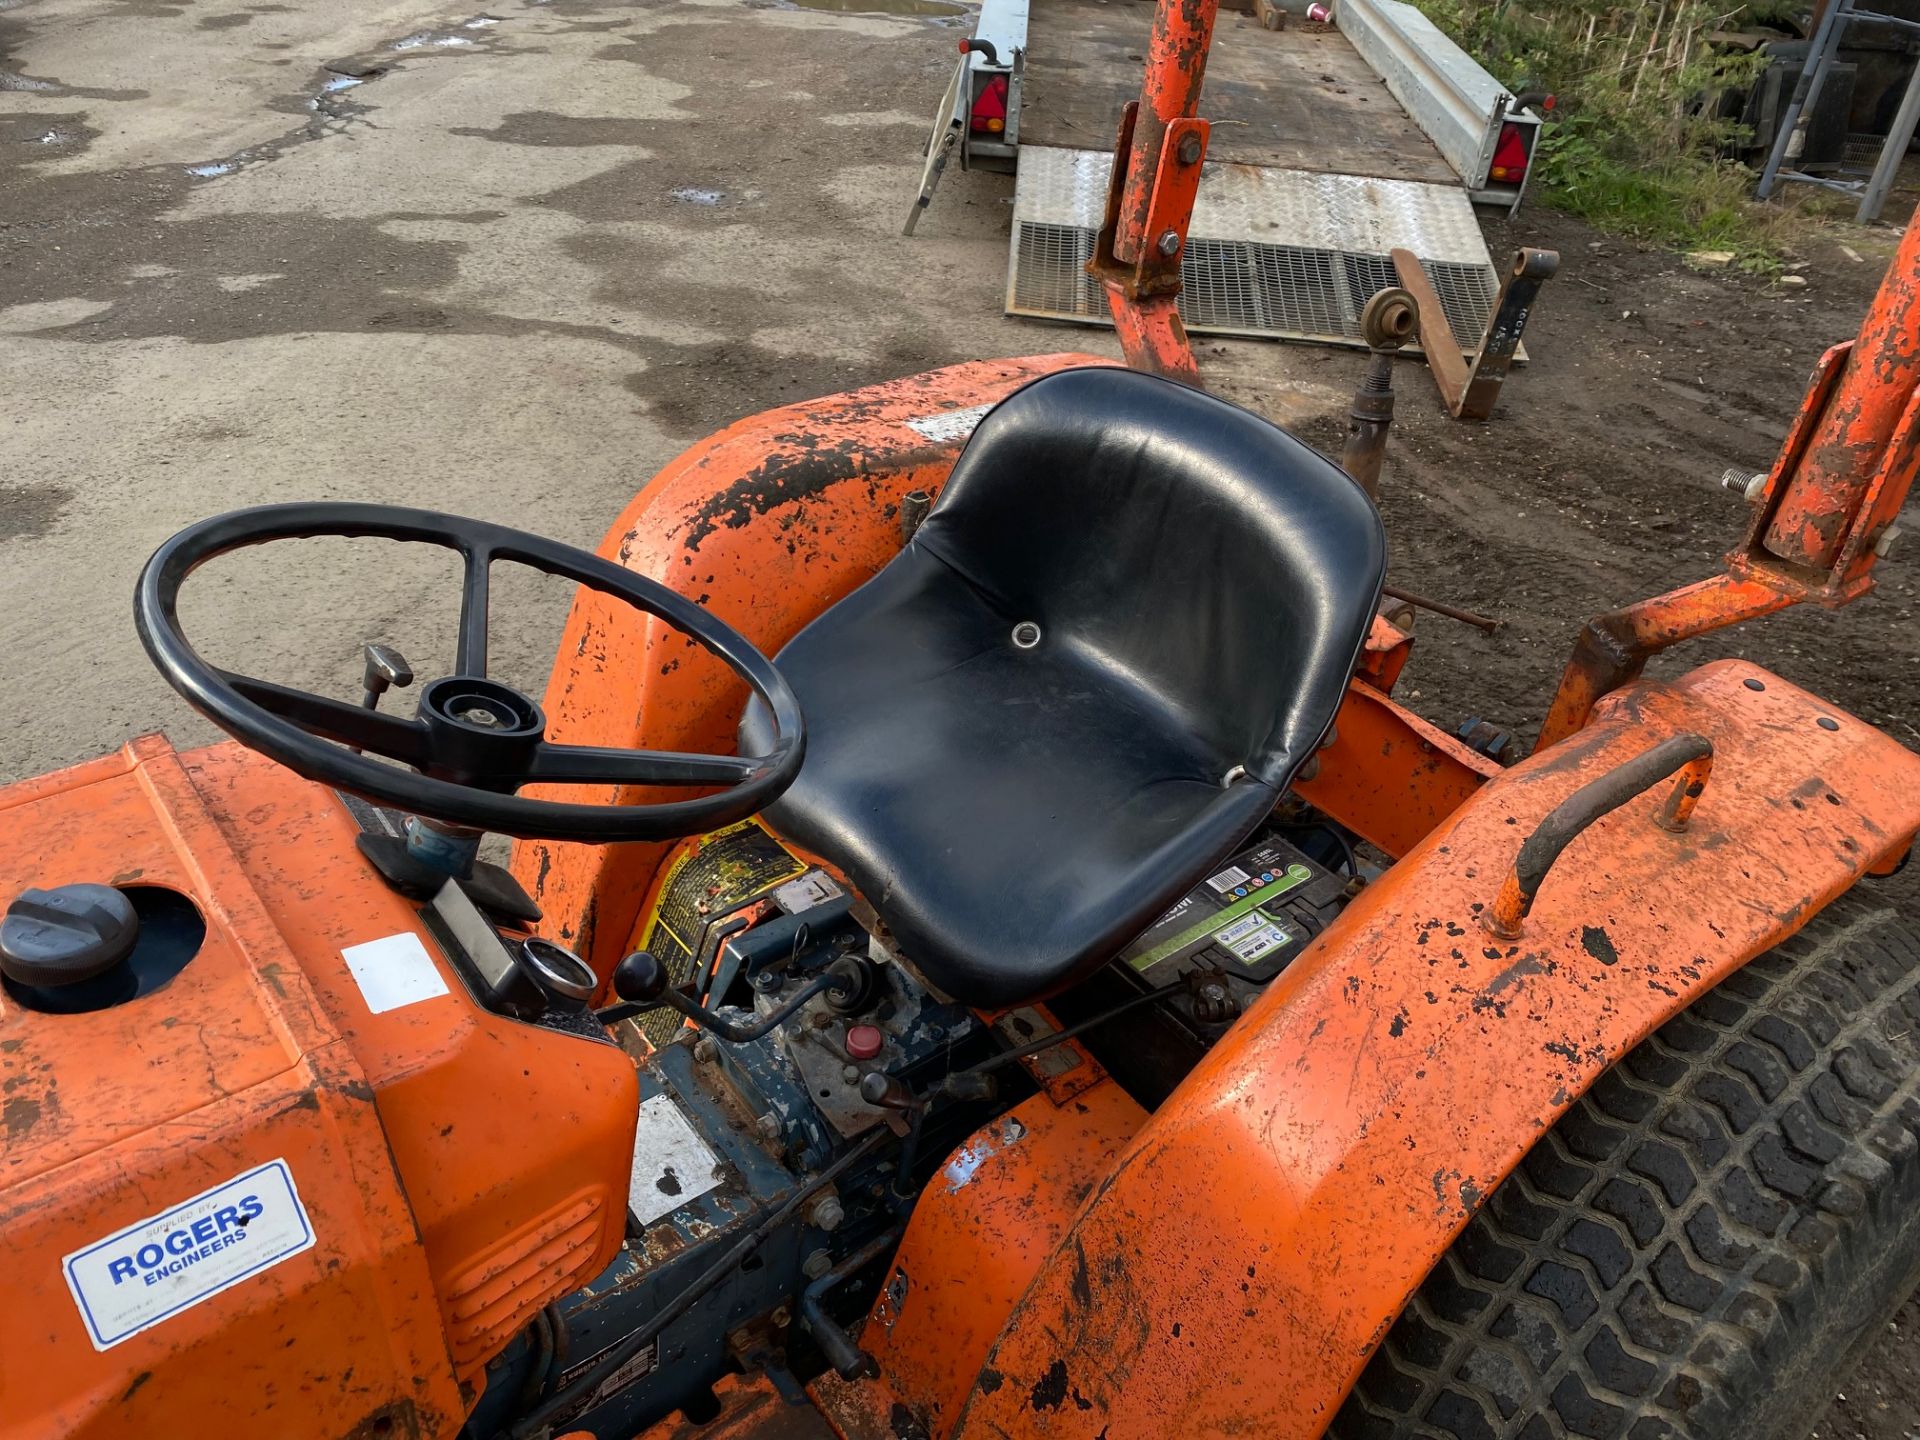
(1297, 99)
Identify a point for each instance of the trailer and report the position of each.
(1315, 172)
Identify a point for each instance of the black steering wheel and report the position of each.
(473, 741)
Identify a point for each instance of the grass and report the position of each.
(1635, 145)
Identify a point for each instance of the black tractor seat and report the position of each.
(1126, 623)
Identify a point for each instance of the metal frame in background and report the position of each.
(1789, 141)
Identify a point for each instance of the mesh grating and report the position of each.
(1239, 287)
(1271, 252)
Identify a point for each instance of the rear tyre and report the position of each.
(1705, 1244)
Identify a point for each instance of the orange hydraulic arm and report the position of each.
(1820, 521)
(1156, 175)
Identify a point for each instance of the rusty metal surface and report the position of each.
(1615, 647)
(1169, 91)
(767, 523)
(1323, 1156)
(1842, 475)
(1691, 754)
(980, 1231)
(1470, 387)
(1810, 520)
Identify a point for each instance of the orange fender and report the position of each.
(1269, 1222)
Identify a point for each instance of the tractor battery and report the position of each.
(1208, 957)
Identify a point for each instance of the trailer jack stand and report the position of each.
(1470, 388)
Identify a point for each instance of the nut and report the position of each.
(816, 1265)
(1889, 537)
(705, 1051)
(769, 1126)
(1168, 243)
(1190, 147)
(825, 1213)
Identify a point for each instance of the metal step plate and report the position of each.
(1280, 253)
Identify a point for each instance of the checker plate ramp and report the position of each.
(1287, 254)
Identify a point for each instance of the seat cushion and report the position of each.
(1014, 816)
(1200, 585)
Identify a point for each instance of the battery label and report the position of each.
(1228, 878)
(1181, 927)
(1256, 938)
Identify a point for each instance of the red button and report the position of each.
(864, 1041)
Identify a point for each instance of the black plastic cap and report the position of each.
(640, 979)
(66, 935)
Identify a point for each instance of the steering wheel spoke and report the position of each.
(392, 736)
(471, 741)
(602, 765)
(470, 652)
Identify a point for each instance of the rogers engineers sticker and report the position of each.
(139, 1276)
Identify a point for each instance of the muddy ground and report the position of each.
(509, 262)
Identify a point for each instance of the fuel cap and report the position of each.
(66, 935)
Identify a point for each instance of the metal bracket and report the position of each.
(1176, 185)
(1470, 388)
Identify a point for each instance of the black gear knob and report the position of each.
(640, 979)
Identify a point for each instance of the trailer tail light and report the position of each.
(1510, 155)
(990, 106)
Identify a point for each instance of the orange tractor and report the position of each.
(978, 1018)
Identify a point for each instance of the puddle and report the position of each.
(428, 40)
(690, 196)
(339, 83)
(209, 172)
(480, 22)
(883, 7)
(9, 80)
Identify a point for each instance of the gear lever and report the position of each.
(642, 981)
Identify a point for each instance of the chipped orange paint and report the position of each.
(1870, 398)
(982, 1227)
(1326, 1152)
(427, 1143)
(1840, 479)
(767, 524)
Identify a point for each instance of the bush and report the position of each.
(1636, 142)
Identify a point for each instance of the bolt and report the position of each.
(781, 1317)
(1309, 770)
(1748, 482)
(1190, 149)
(705, 1051)
(1169, 242)
(1889, 537)
(850, 1074)
(816, 1265)
(826, 1213)
(768, 1125)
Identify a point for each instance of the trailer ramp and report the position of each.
(1286, 254)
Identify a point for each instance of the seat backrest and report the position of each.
(1195, 549)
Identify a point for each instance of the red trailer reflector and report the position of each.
(1510, 155)
(990, 106)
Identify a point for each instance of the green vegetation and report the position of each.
(1636, 143)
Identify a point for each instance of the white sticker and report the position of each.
(671, 1164)
(811, 889)
(1263, 941)
(1228, 878)
(947, 425)
(394, 970)
(154, 1269)
(1242, 928)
